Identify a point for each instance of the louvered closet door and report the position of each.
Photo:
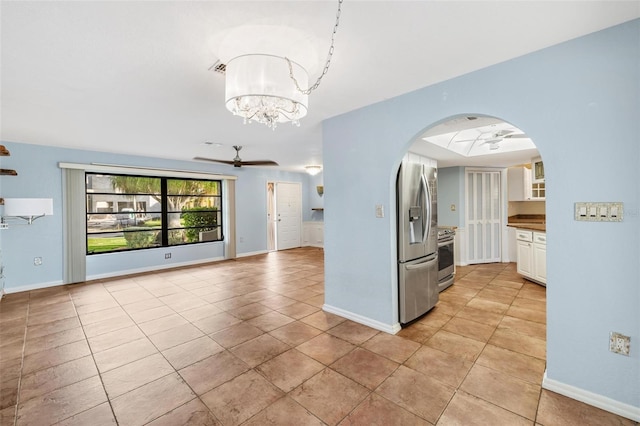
(483, 216)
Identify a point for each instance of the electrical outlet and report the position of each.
(379, 211)
(37, 261)
(453, 207)
(619, 343)
(167, 255)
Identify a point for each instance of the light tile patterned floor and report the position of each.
(246, 342)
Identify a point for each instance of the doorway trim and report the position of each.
(272, 214)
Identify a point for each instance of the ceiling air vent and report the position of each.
(218, 67)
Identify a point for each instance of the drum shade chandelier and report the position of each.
(267, 88)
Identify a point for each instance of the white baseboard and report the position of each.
(391, 329)
(603, 402)
(252, 253)
(29, 287)
(38, 286)
(152, 268)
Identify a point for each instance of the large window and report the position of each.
(125, 212)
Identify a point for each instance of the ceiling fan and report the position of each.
(237, 161)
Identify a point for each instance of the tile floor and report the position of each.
(246, 342)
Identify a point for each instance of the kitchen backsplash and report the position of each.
(526, 207)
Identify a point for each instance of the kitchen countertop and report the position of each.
(534, 222)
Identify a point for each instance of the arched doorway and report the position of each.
(484, 177)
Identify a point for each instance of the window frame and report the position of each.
(164, 227)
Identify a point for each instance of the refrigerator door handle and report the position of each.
(426, 264)
(426, 218)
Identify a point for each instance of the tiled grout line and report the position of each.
(109, 399)
(264, 287)
(486, 343)
(147, 336)
(94, 362)
(24, 344)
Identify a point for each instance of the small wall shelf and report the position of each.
(4, 152)
(318, 209)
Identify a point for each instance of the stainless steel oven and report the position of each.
(446, 268)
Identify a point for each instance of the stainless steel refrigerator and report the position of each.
(417, 236)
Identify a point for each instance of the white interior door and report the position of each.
(483, 216)
(288, 215)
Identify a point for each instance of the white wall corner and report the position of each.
(600, 401)
(387, 328)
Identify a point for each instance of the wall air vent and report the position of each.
(218, 67)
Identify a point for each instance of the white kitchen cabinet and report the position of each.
(313, 234)
(532, 255)
(520, 186)
(538, 191)
(540, 257)
(519, 183)
(525, 252)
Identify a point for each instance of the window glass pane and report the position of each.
(102, 222)
(125, 212)
(192, 187)
(181, 203)
(137, 238)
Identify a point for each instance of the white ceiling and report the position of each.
(132, 77)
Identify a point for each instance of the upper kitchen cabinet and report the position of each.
(537, 170)
(519, 183)
(521, 187)
(538, 191)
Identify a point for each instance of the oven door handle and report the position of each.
(444, 242)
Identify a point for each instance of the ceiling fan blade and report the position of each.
(259, 163)
(516, 135)
(214, 160)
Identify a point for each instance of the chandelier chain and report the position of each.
(327, 63)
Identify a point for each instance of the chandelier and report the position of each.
(258, 88)
(267, 88)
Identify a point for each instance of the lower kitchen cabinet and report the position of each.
(525, 258)
(540, 260)
(532, 255)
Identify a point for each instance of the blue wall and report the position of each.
(450, 191)
(316, 201)
(580, 102)
(40, 177)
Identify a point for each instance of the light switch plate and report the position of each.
(379, 211)
(598, 212)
